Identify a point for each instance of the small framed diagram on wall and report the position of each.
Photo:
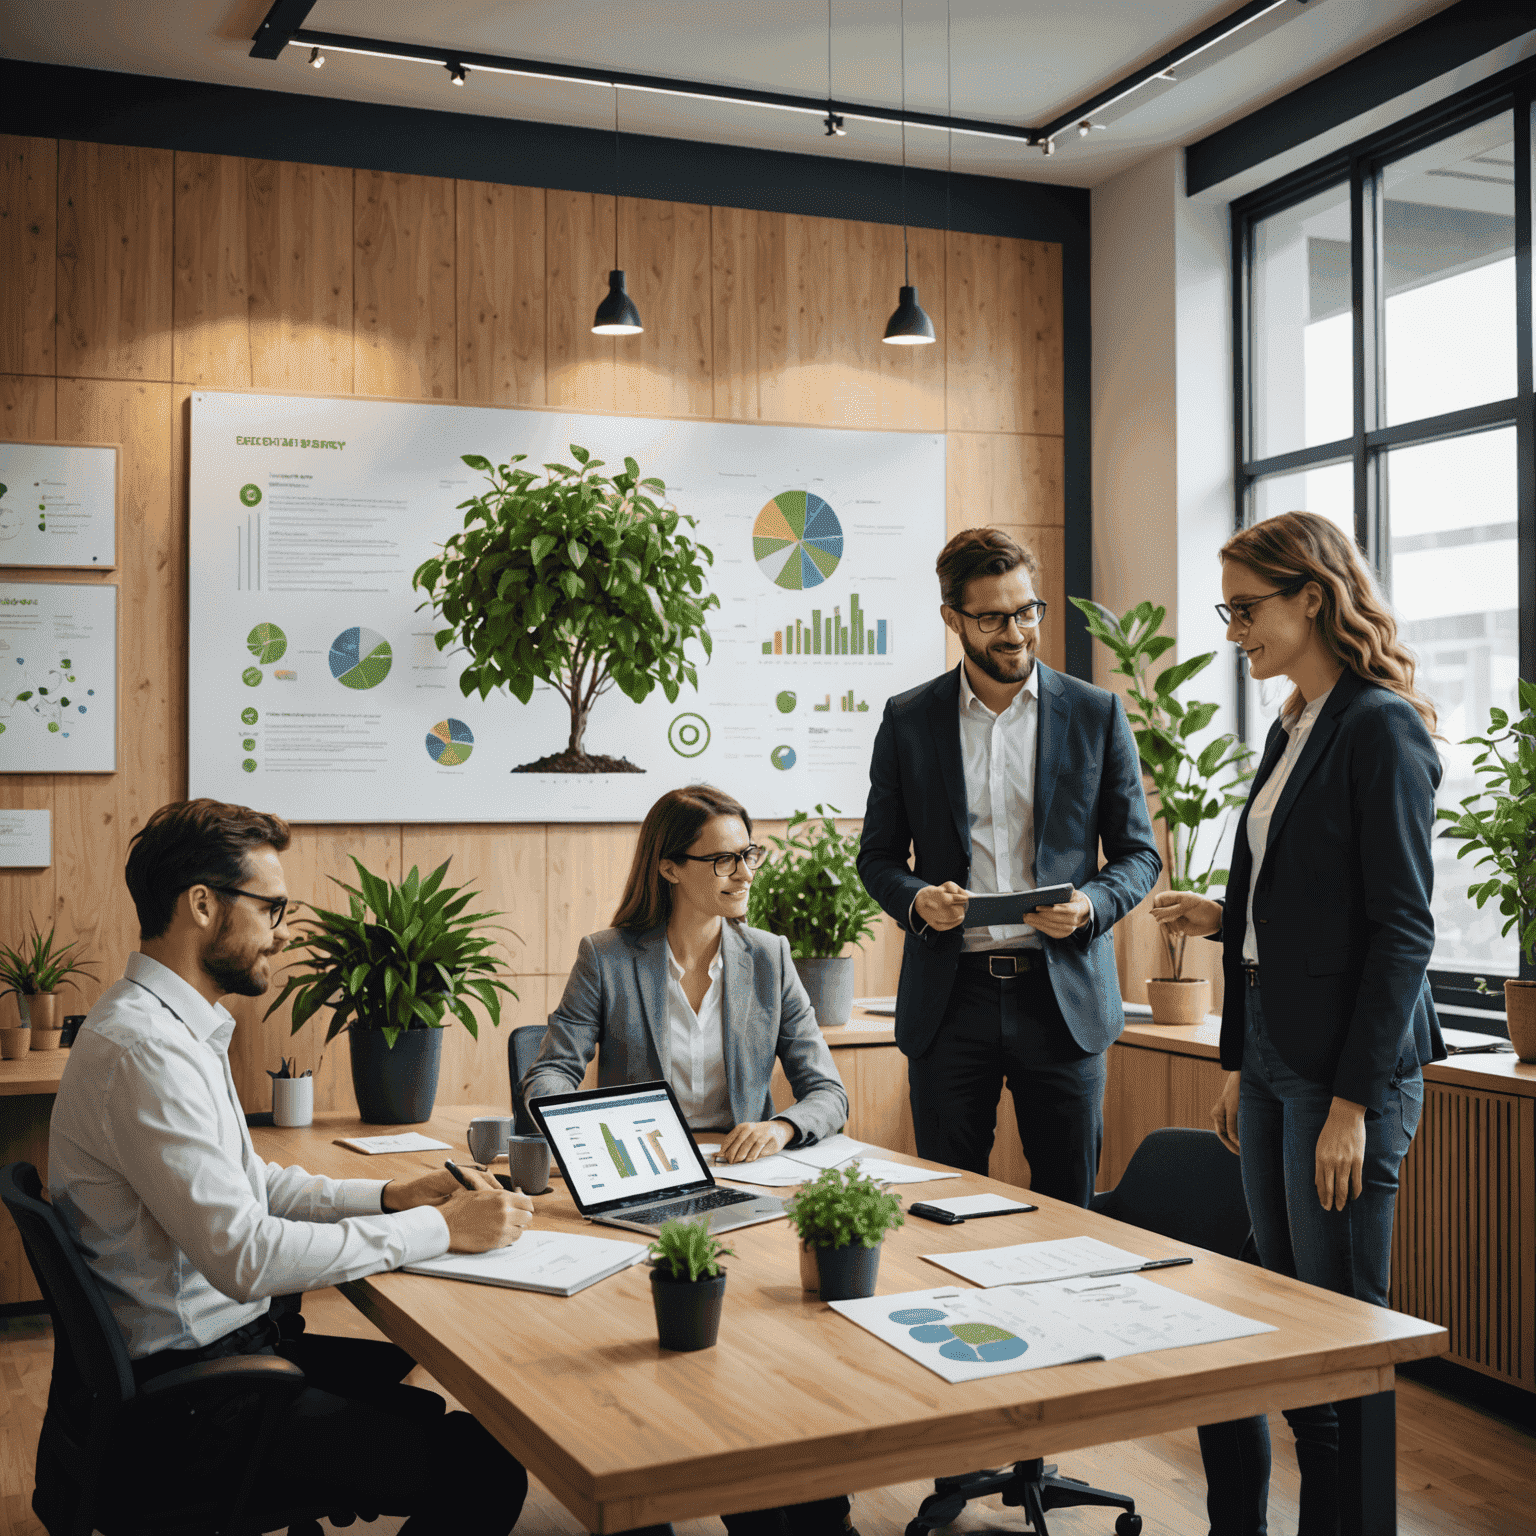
(58, 505)
(58, 677)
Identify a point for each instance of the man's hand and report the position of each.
(432, 1188)
(1062, 920)
(1341, 1155)
(942, 907)
(1183, 912)
(755, 1138)
(485, 1217)
(1224, 1112)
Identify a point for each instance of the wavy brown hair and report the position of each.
(1355, 623)
(669, 830)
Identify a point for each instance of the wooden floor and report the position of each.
(1459, 1470)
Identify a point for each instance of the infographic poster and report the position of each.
(58, 505)
(316, 689)
(58, 678)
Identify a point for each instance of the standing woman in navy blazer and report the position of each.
(1326, 937)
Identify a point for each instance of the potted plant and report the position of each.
(34, 973)
(392, 968)
(687, 1284)
(576, 580)
(843, 1216)
(1499, 822)
(810, 892)
(1192, 787)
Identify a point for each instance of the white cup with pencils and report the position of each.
(293, 1098)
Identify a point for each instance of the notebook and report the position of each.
(556, 1263)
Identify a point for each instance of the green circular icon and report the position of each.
(782, 757)
(786, 702)
(250, 495)
(266, 643)
(53, 725)
(249, 765)
(249, 743)
(249, 715)
(688, 735)
(251, 676)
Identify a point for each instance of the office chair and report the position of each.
(1181, 1184)
(523, 1046)
(114, 1456)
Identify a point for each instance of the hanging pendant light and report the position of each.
(616, 315)
(910, 325)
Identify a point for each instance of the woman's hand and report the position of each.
(1183, 912)
(1341, 1155)
(1224, 1111)
(755, 1138)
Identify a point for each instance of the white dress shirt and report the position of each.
(696, 1050)
(1262, 811)
(151, 1167)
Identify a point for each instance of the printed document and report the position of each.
(1063, 1258)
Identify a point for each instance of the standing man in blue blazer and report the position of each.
(1005, 775)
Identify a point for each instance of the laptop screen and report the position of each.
(621, 1145)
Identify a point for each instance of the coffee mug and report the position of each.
(528, 1164)
(293, 1101)
(488, 1137)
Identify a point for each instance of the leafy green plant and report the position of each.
(840, 1207)
(400, 958)
(687, 1252)
(576, 580)
(1192, 787)
(1499, 821)
(810, 891)
(38, 966)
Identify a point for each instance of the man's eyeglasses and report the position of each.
(1026, 617)
(276, 905)
(725, 863)
(1243, 612)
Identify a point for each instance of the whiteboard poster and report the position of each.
(58, 678)
(58, 505)
(316, 689)
(26, 839)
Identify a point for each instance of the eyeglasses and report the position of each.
(1243, 612)
(1026, 617)
(276, 905)
(725, 863)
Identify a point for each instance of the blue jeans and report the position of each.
(1280, 1117)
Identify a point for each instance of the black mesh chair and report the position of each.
(123, 1459)
(522, 1051)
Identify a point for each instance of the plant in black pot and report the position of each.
(393, 969)
(687, 1284)
(811, 894)
(843, 1217)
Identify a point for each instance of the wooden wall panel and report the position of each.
(114, 262)
(405, 341)
(1005, 479)
(502, 300)
(212, 290)
(578, 246)
(587, 869)
(749, 306)
(29, 174)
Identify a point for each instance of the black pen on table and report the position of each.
(1136, 1269)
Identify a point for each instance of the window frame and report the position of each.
(1359, 166)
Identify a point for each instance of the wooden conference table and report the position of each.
(797, 1402)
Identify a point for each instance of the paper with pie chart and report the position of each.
(316, 686)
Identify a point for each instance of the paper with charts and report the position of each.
(965, 1335)
(315, 686)
(1061, 1258)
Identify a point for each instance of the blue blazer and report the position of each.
(917, 832)
(1341, 911)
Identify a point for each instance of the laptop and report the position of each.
(629, 1160)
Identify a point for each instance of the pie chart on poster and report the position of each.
(797, 540)
(360, 658)
(449, 743)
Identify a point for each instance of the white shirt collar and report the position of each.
(203, 1018)
(1305, 718)
(675, 966)
(1030, 690)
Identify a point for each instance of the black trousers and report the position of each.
(996, 1031)
(357, 1439)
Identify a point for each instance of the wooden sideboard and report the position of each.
(27, 1087)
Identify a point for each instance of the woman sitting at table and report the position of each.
(680, 988)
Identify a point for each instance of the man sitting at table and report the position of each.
(192, 1236)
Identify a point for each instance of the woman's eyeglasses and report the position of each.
(1026, 617)
(725, 863)
(1243, 612)
(276, 905)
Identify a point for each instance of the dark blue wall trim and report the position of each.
(97, 106)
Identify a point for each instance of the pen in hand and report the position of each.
(458, 1173)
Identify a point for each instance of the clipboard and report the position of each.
(989, 910)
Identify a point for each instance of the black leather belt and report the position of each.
(1003, 964)
(1251, 972)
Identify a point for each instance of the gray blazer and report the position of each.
(615, 1003)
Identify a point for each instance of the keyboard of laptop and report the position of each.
(694, 1205)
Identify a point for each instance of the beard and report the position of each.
(999, 669)
(231, 968)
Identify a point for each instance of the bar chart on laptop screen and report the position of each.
(621, 1147)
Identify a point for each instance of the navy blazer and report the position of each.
(1341, 910)
(1087, 792)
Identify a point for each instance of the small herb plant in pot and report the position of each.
(811, 894)
(34, 971)
(687, 1284)
(843, 1216)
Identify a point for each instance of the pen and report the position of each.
(1136, 1269)
(458, 1173)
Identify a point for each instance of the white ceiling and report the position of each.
(1016, 61)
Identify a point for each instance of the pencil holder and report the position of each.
(293, 1100)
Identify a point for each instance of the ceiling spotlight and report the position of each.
(457, 73)
(1049, 147)
(617, 315)
(834, 125)
(316, 59)
(1083, 130)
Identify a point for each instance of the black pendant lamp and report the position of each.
(910, 325)
(616, 315)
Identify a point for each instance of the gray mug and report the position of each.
(528, 1164)
(487, 1137)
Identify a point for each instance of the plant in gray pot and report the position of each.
(811, 894)
(687, 1284)
(843, 1217)
(393, 968)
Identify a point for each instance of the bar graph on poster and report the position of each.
(317, 689)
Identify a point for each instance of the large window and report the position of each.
(1384, 380)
